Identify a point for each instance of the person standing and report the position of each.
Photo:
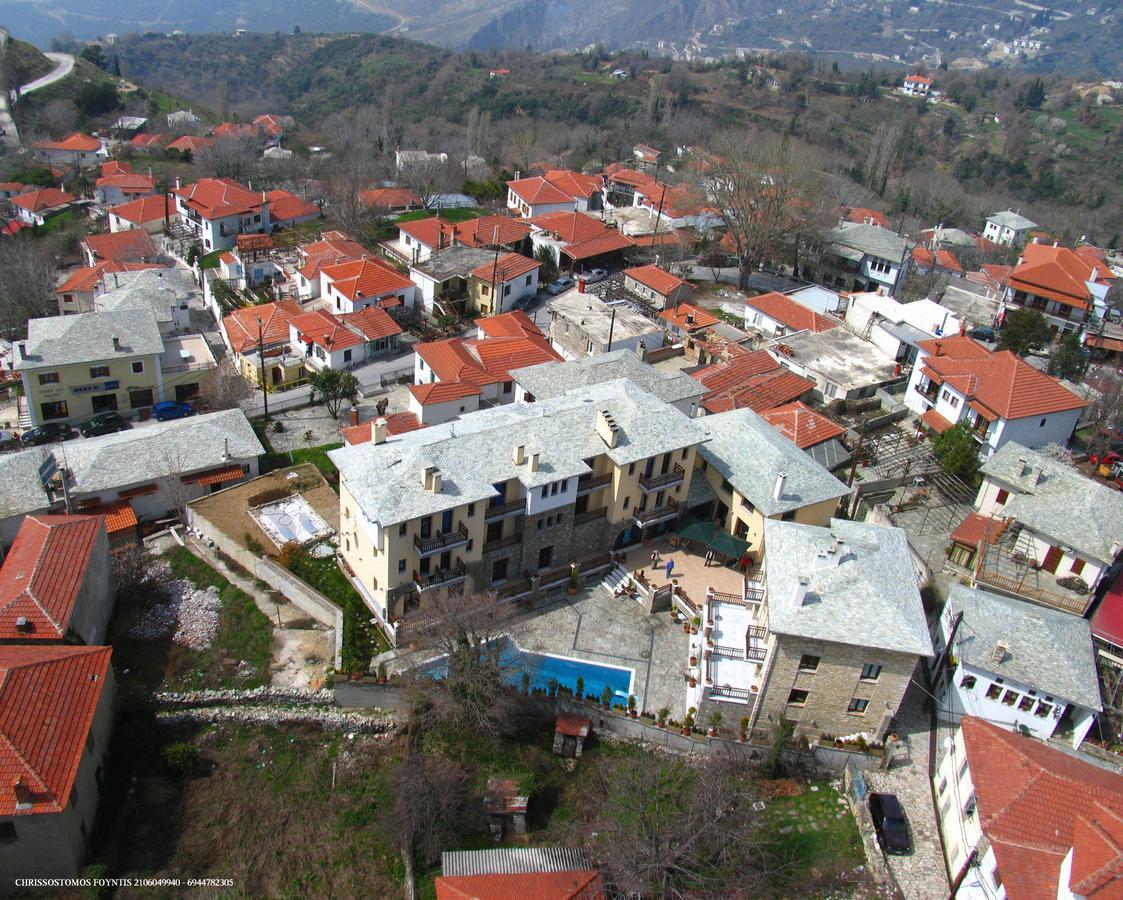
(654, 558)
(709, 558)
(670, 566)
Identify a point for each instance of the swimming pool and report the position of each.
(542, 668)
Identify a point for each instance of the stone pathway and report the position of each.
(922, 875)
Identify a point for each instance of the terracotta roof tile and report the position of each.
(134, 245)
(396, 423)
(538, 190)
(790, 313)
(132, 182)
(217, 198)
(509, 324)
(428, 231)
(935, 421)
(506, 268)
(567, 885)
(489, 230)
(365, 278)
(42, 575)
(75, 141)
(802, 425)
(86, 279)
(676, 316)
(285, 206)
(1054, 272)
(45, 198)
(242, 325)
(190, 144)
(390, 198)
(48, 697)
(373, 323)
(975, 528)
(145, 210)
(659, 280)
(574, 184)
(442, 391)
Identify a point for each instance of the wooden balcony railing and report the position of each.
(441, 541)
(588, 483)
(647, 517)
(657, 482)
(590, 515)
(1077, 604)
(440, 578)
(508, 541)
(503, 510)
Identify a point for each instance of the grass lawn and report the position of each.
(245, 635)
(450, 215)
(318, 456)
(361, 640)
(210, 260)
(809, 838)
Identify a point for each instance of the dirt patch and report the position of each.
(301, 656)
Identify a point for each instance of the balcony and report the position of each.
(929, 392)
(650, 483)
(508, 541)
(440, 578)
(586, 484)
(441, 542)
(590, 515)
(504, 510)
(647, 517)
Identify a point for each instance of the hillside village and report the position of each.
(672, 456)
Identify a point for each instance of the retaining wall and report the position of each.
(302, 595)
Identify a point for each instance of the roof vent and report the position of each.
(607, 429)
(1001, 651)
(116, 343)
(778, 491)
(22, 624)
(378, 431)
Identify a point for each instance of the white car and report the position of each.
(592, 276)
(560, 286)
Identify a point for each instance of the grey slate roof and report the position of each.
(157, 450)
(749, 453)
(871, 240)
(21, 491)
(476, 451)
(864, 594)
(830, 454)
(88, 337)
(159, 290)
(1046, 649)
(1010, 219)
(553, 379)
(1060, 504)
(513, 861)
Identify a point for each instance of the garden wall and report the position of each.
(302, 595)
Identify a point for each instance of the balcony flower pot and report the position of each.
(660, 723)
(693, 660)
(712, 732)
(686, 627)
(693, 629)
(686, 730)
(741, 738)
(693, 681)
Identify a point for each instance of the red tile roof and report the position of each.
(442, 391)
(270, 124)
(218, 198)
(750, 381)
(508, 267)
(134, 245)
(935, 421)
(242, 324)
(790, 313)
(285, 206)
(610, 242)
(390, 198)
(956, 346)
(43, 573)
(396, 423)
(48, 697)
(499, 356)
(325, 330)
(215, 476)
(659, 280)
(976, 528)
(509, 324)
(190, 144)
(1107, 623)
(333, 248)
(119, 515)
(372, 323)
(428, 231)
(485, 361)
(1055, 273)
(364, 278)
(233, 130)
(620, 173)
(1002, 383)
(115, 167)
(945, 259)
(572, 725)
(1030, 799)
(676, 316)
(918, 79)
(802, 425)
(571, 227)
(75, 141)
(538, 190)
(145, 210)
(42, 199)
(861, 215)
(489, 230)
(149, 140)
(574, 184)
(576, 884)
(86, 279)
(128, 182)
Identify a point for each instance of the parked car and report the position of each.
(171, 409)
(982, 334)
(560, 286)
(47, 434)
(524, 303)
(102, 423)
(592, 276)
(890, 823)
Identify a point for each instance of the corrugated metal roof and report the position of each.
(513, 860)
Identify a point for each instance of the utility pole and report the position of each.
(611, 328)
(658, 215)
(261, 360)
(496, 303)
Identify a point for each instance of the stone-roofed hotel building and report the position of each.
(507, 498)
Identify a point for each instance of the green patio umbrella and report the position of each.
(725, 543)
(695, 530)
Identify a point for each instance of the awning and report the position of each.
(119, 516)
(982, 411)
(935, 421)
(216, 476)
(695, 530)
(976, 528)
(723, 542)
(141, 491)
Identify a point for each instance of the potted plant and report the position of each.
(606, 697)
(697, 622)
(661, 716)
(632, 713)
(715, 722)
(685, 627)
(526, 684)
(552, 684)
(382, 673)
(743, 736)
(693, 660)
(580, 692)
(693, 681)
(574, 582)
(688, 722)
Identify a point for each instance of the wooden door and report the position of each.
(1052, 559)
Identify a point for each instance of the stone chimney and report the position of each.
(607, 429)
(353, 415)
(116, 343)
(778, 491)
(519, 454)
(378, 432)
(534, 462)
(799, 597)
(22, 349)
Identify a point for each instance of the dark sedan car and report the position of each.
(890, 824)
(47, 434)
(102, 423)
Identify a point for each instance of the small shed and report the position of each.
(570, 731)
(505, 807)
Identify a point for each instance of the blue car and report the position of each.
(171, 409)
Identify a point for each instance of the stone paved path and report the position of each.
(921, 875)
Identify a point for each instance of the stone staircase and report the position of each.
(617, 577)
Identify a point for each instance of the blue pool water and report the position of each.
(542, 668)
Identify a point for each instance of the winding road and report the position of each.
(64, 63)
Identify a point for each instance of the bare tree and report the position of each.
(27, 283)
(229, 157)
(57, 118)
(228, 388)
(765, 191)
(1106, 412)
(885, 147)
(465, 627)
(522, 147)
(429, 176)
(670, 829)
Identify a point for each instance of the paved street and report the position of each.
(921, 875)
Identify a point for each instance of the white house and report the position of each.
(1007, 228)
(530, 197)
(896, 328)
(1015, 664)
(1065, 287)
(861, 257)
(76, 149)
(1001, 397)
(333, 248)
(218, 210)
(36, 206)
(917, 86)
(342, 342)
(1022, 819)
(355, 285)
(150, 214)
(776, 314)
(842, 365)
